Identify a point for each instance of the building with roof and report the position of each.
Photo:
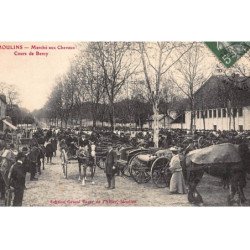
(222, 103)
(164, 121)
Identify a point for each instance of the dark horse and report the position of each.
(225, 161)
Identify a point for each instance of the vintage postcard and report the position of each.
(124, 124)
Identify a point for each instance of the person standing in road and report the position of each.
(177, 182)
(49, 151)
(110, 168)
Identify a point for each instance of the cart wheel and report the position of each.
(160, 172)
(101, 163)
(139, 172)
(126, 171)
(127, 168)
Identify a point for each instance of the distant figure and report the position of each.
(49, 134)
(54, 145)
(49, 151)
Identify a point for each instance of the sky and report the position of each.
(34, 75)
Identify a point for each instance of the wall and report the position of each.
(222, 123)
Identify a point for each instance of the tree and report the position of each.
(191, 75)
(54, 105)
(90, 82)
(157, 60)
(117, 65)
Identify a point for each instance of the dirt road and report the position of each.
(52, 189)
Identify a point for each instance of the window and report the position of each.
(219, 112)
(205, 115)
(198, 114)
(215, 127)
(210, 113)
(202, 114)
(240, 112)
(240, 128)
(224, 112)
(214, 113)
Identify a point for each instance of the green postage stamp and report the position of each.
(228, 52)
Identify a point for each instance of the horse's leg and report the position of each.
(2, 187)
(84, 175)
(80, 170)
(193, 195)
(241, 185)
(232, 191)
(63, 167)
(92, 171)
(39, 166)
(43, 162)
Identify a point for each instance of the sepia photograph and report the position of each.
(125, 124)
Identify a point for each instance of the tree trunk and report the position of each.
(156, 125)
(112, 116)
(192, 117)
(94, 113)
(94, 123)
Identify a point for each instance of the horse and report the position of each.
(223, 161)
(41, 157)
(5, 168)
(86, 160)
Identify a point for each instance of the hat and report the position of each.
(25, 150)
(174, 149)
(20, 155)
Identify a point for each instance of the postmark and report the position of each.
(228, 52)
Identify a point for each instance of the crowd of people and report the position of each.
(16, 161)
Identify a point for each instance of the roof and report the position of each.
(179, 119)
(10, 124)
(161, 117)
(218, 90)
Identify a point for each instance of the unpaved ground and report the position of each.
(53, 190)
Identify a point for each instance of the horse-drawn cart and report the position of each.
(155, 166)
(145, 164)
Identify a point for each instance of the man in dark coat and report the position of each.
(17, 179)
(49, 151)
(54, 145)
(110, 167)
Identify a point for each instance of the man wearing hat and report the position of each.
(32, 164)
(110, 167)
(16, 178)
(177, 183)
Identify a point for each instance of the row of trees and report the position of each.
(17, 114)
(143, 75)
(128, 82)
